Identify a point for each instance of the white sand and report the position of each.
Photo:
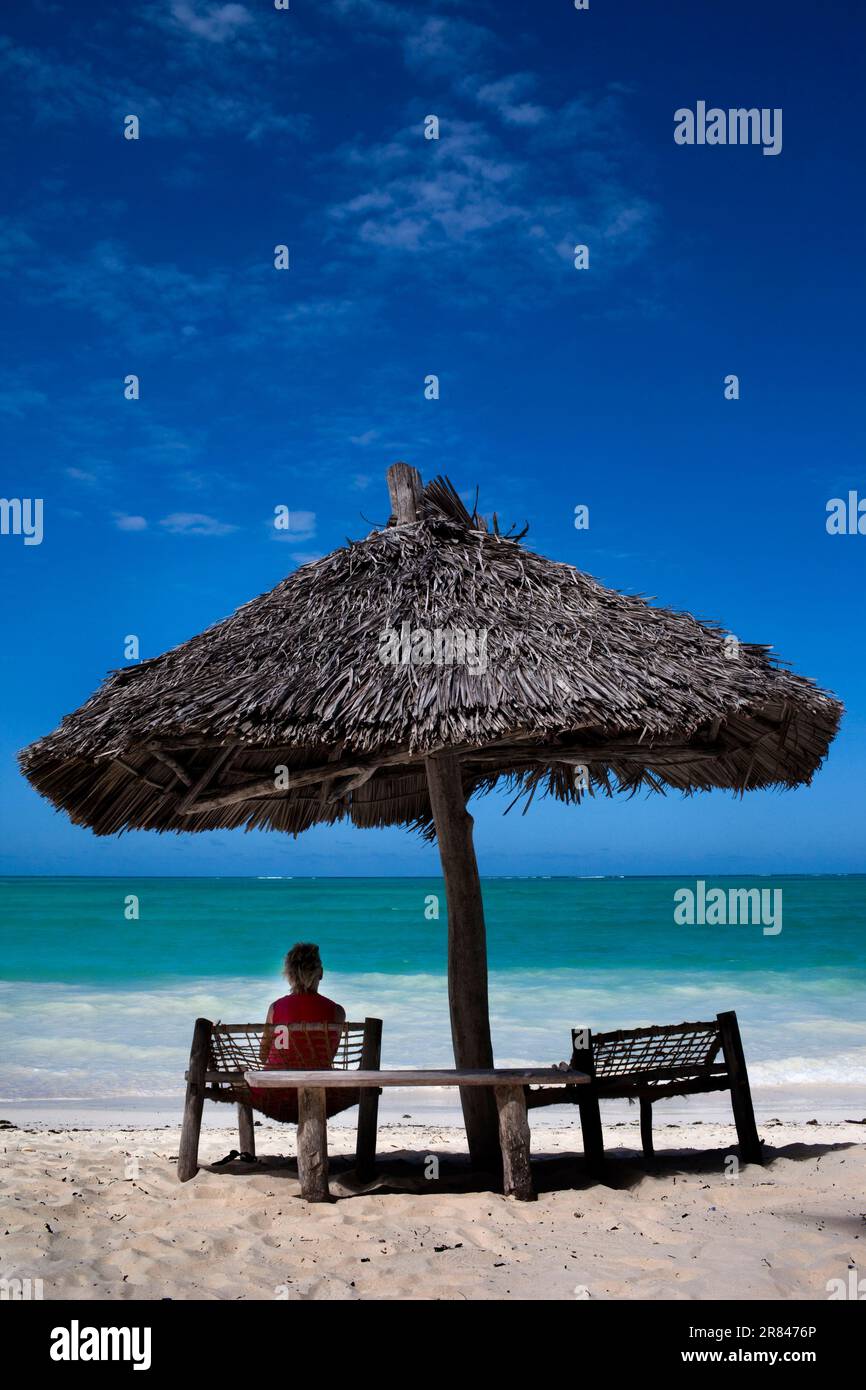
(99, 1213)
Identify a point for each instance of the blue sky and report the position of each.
(409, 257)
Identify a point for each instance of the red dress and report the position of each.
(299, 1051)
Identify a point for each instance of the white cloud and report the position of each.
(527, 193)
(526, 178)
(216, 24)
(525, 113)
(455, 191)
(155, 303)
(301, 527)
(125, 522)
(443, 46)
(190, 478)
(17, 399)
(628, 219)
(15, 243)
(506, 96)
(223, 88)
(195, 524)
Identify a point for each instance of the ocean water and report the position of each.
(94, 1006)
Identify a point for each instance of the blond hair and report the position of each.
(303, 967)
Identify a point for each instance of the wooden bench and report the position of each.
(222, 1052)
(510, 1088)
(650, 1064)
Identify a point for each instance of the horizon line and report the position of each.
(349, 878)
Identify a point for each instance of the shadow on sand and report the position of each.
(428, 1172)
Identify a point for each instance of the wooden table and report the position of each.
(508, 1088)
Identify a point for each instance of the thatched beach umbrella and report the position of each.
(389, 681)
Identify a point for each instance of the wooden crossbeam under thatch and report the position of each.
(361, 772)
(173, 764)
(207, 777)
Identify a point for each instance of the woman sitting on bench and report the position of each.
(299, 1048)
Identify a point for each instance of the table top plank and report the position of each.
(495, 1076)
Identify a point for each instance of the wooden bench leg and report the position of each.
(741, 1096)
(313, 1145)
(187, 1154)
(514, 1142)
(646, 1126)
(593, 1137)
(368, 1106)
(368, 1125)
(246, 1131)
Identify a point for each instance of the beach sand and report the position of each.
(99, 1214)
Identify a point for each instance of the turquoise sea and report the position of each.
(94, 1005)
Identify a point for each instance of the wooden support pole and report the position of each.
(246, 1131)
(514, 1142)
(467, 944)
(467, 951)
(368, 1106)
(404, 487)
(741, 1096)
(646, 1126)
(187, 1154)
(313, 1145)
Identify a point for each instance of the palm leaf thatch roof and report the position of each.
(285, 714)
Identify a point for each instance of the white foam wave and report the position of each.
(59, 1041)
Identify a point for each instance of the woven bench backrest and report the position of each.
(235, 1046)
(680, 1047)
